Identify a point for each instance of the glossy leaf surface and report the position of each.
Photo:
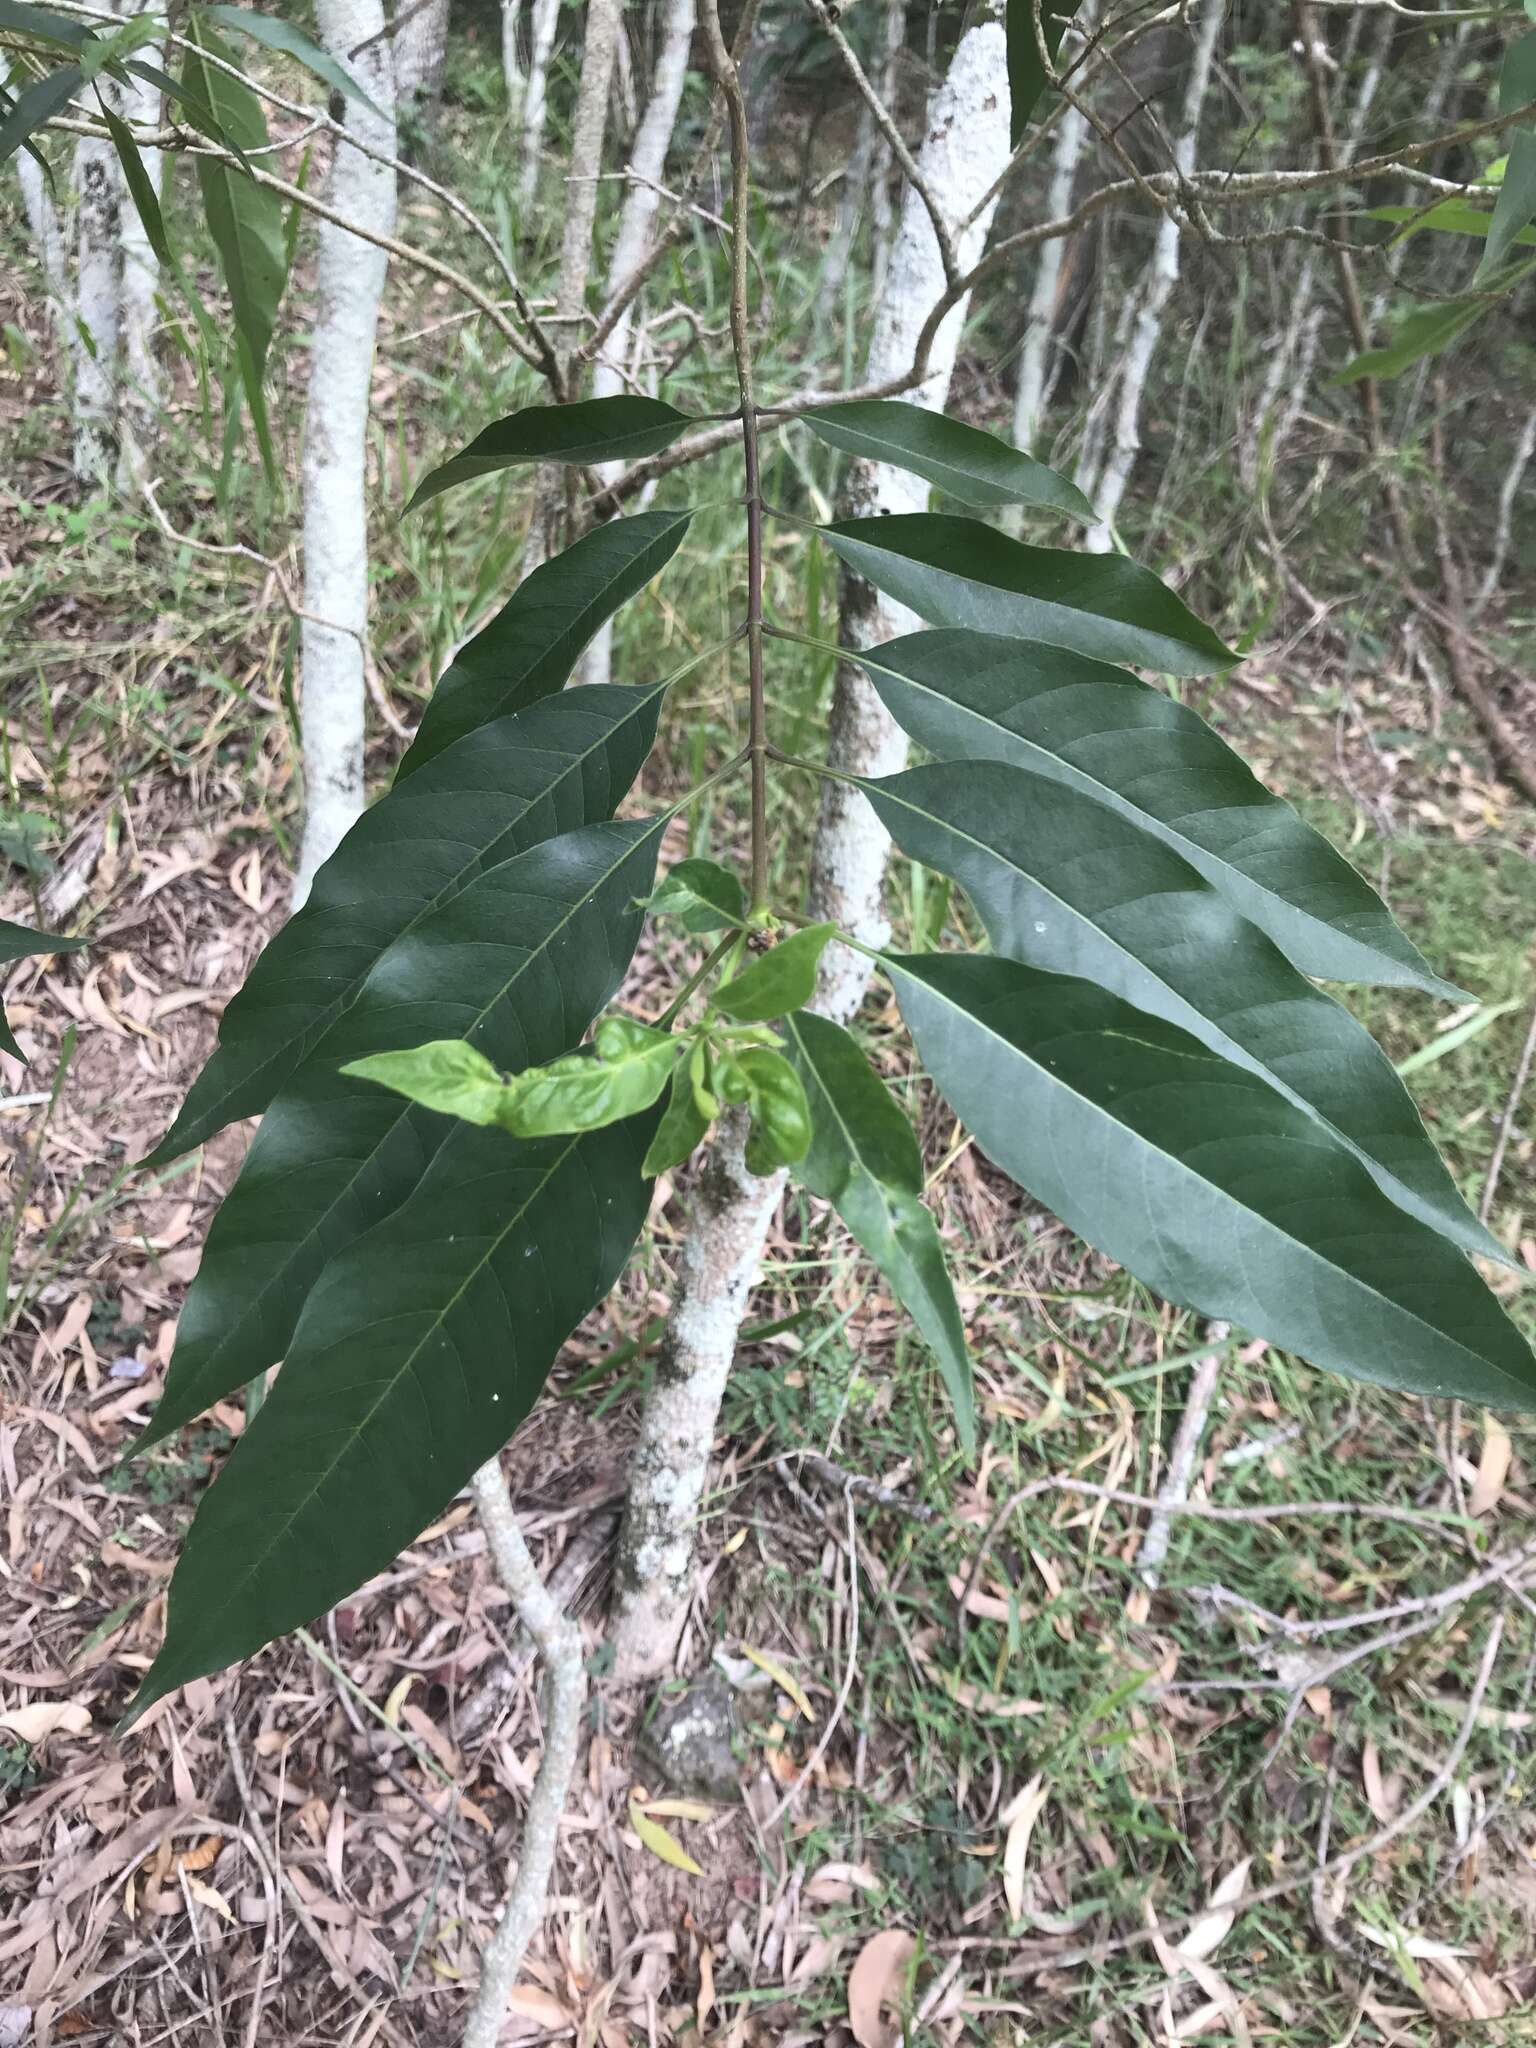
(523, 779)
(778, 981)
(960, 572)
(531, 648)
(864, 1160)
(969, 464)
(705, 895)
(620, 429)
(781, 1117)
(422, 1348)
(973, 696)
(1065, 884)
(445, 1074)
(518, 963)
(17, 942)
(1203, 1181)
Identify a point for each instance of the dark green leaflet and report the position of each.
(518, 963)
(563, 762)
(978, 696)
(969, 464)
(531, 648)
(423, 1346)
(961, 572)
(1203, 1181)
(864, 1160)
(624, 428)
(1066, 884)
(19, 943)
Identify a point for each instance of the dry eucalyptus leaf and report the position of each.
(36, 1723)
(1212, 1928)
(876, 1980)
(1019, 1817)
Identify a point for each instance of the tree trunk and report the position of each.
(1156, 288)
(964, 152)
(139, 104)
(1029, 392)
(546, 19)
(512, 61)
(589, 129)
(615, 367)
(98, 305)
(349, 284)
(421, 50)
(48, 241)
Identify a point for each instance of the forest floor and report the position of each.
(986, 1776)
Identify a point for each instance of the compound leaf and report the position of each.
(1203, 1181)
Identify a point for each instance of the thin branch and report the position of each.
(559, 1642)
(884, 121)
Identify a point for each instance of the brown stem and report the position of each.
(729, 80)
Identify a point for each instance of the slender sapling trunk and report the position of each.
(349, 285)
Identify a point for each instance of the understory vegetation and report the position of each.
(1009, 1728)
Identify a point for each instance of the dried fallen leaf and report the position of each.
(876, 1980)
(1212, 1928)
(530, 2003)
(1380, 1793)
(1492, 1467)
(397, 1698)
(679, 1809)
(786, 1681)
(836, 1882)
(36, 1723)
(662, 1845)
(215, 1901)
(1019, 1817)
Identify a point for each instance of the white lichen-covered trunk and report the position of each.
(548, 527)
(729, 1213)
(349, 283)
(48, 246)
(512, 58)
(139, 103)
(615, 369)
(1034, 355)
(964, 151)
(98, 309)
(421, 51)
(1154, 292)
(535, 110)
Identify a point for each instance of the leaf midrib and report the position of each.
(1105, 1116)
(390, 1386)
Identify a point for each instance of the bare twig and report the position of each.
(1174, 1491)
(559, 1642)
